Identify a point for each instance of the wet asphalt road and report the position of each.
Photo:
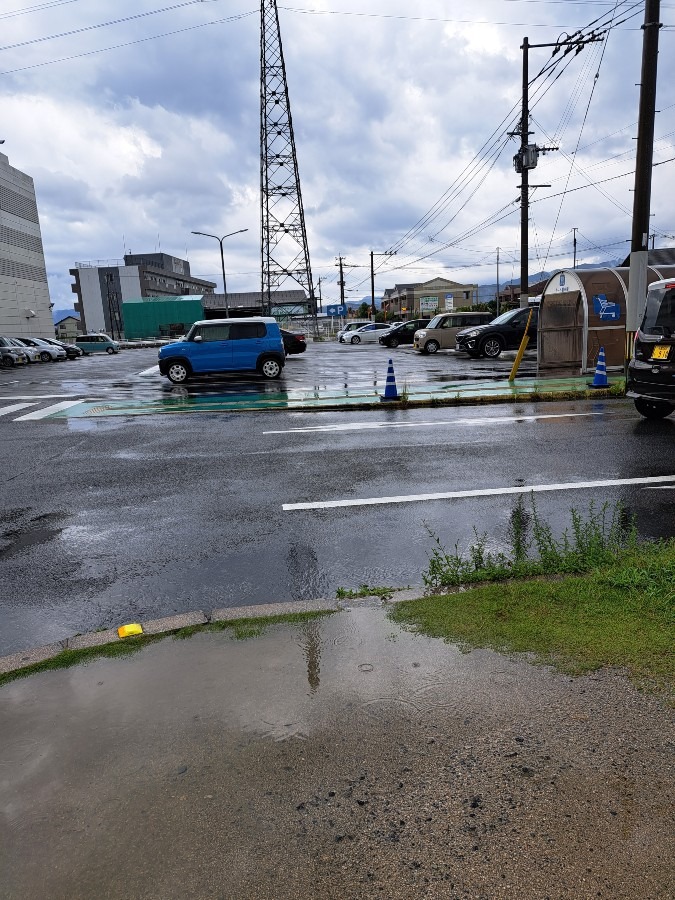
(343, 759)
(111, 520)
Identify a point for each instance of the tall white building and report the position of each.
(25, 308)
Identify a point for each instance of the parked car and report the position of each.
(366, 334)
(349, 327)
(293, 343)
(32, 353)
(402, 333)
(11, 355)
(442, 330)
(225, 345)
(503, 333)
(72, 352)
(96, 343)
(47, 351)
(651, 371)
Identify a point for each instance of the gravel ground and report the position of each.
(340, 759)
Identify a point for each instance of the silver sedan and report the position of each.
(367, 334)
(32, 353)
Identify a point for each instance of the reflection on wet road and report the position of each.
(342, 758)
(325, 367)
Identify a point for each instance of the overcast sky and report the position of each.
(136, 136)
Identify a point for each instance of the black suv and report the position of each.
(651, 371)
(403, 333)
(503, 333)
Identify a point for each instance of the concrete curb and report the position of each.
(26, 658)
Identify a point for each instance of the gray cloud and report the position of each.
(161, 137)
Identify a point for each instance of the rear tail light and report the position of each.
(300, 337)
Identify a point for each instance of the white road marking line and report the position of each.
(496, 420)
(48, 410)
(6, 410)
(153, 370)
(489, 492)
(40, 397)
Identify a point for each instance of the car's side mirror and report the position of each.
(197, 339)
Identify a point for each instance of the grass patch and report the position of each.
(593, 539)
(242, 629)
(621, 614)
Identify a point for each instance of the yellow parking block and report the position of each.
(129, 630)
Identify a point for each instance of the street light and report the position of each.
(222, 259)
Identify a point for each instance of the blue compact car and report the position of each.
(225, 345)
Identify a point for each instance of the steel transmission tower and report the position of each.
(283, 237)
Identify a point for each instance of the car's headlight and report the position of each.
(420, 334)
(471, 334)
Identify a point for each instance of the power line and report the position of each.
(131, 43)
(588, 106)
(40, 7)
(142, 15)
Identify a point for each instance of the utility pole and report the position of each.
(639, 247)
(575, 247)
(528, 155)
(498, 249)
(320, 297)
(524, 184)
(341, 282)
(372, 277)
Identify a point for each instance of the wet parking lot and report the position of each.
(325, 366)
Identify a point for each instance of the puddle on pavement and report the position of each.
(340, 757)
(286, 683)
(38, 530)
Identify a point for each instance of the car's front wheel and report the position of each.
(270, 368)
(45, 356)
(653, 409)
(7, 362)
(432, 347)
(110, 351)
(491, 347)
(178, 373)
(355, 340)
(393, 343)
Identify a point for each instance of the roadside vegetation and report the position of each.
(593, 597)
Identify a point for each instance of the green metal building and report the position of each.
(154, 317)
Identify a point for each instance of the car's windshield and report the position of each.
(660, 312)
(435, 322)
(505, 317)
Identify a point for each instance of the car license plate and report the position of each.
(661, 351)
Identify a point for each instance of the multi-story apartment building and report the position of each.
(103, 286)
(25, 307)
(414, 301)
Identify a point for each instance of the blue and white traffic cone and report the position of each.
(390, 391)
(600, 379)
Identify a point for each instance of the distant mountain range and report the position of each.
(488, 291)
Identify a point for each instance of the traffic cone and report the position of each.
(600, 379)
(390, 391)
